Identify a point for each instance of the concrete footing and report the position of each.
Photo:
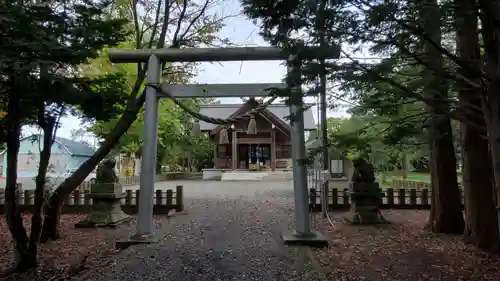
(138, 239)
(311, 239)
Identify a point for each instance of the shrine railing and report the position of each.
(81, 201)
(390, 199)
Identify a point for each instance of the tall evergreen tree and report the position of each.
(432, 53)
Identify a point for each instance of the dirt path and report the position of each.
(232, 232)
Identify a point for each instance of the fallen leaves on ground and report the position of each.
(401, 250)
(75, 249)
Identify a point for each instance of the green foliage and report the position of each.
(365, 136)
(291, 25)
(41, 47)
(190, 25)
(390, 116)
(174, 136)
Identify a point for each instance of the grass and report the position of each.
(419, 177)
(386, 179)
(412, 176)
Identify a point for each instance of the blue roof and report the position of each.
(76, 148)
(73, 147)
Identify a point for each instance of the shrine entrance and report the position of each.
(156, 58)
(254, 156)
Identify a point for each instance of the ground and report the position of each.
(401, 250)
(66, 254)
(231, 231)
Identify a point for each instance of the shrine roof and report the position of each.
(225, 110)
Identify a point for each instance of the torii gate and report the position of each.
(303, 234)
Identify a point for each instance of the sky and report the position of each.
(240, 31)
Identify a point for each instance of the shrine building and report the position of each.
(259, 144)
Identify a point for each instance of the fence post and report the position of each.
(335, 198)
(312, 197)
(345, 197)
(178, 198)
(402, 197)
(425, 197)
(86, 198)
(413, 197)
(27, 198)
(128, 197)
(137, 192)
(159, 197)
(77, 198)
(390, 197)
(170, 197)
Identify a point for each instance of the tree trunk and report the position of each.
(405, 167)
(489, 13)
(493, 127)
(480, 200)
(48, 125)
(50, 229)
(446, 208)
(480, 203)
(12, 211)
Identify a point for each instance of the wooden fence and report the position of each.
(391, 199)
(81, 202)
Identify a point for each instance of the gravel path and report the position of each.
(232, 231)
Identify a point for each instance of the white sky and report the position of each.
(240, 31)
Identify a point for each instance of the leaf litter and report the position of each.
(76, 249)
(401, 250)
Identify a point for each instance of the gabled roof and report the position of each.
(74, 148)
(252, 103)
(226, 110)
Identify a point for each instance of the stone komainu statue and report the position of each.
(106, 172)
(363, 171)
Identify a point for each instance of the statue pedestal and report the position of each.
(365, 204)
(106, 208)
